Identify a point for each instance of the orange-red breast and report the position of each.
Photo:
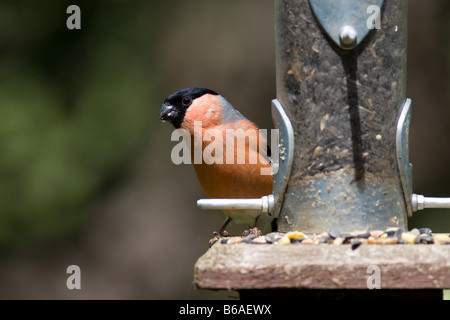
(190, 107)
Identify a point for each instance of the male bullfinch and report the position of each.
(190, 107)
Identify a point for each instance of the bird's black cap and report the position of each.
(175, 106)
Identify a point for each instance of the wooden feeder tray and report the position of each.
(418, 271)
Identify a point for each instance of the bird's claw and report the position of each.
(217, 235)
(221, 233)
(255, 231)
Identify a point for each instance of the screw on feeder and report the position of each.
(348, 37)
(346, 21)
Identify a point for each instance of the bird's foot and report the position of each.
(255, 231)
(217, 235)
(221, 233)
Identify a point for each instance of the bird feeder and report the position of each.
(341, 79)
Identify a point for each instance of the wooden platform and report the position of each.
(277, 270)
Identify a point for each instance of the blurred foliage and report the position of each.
(74, 107)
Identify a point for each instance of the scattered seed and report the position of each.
(372, 240)
(323, 121)
(410, 237)
(389, 240)
(259, 240)
(425, 230)
(333, 233)
(441, 239)
(317, 151)
(272, 237)
(297, 240)
(415, 231)
(399, 233)
(426, 238)
(356, 243)
(295, 234)
(376, 233)
(389, 233)
(234, 240)
(249, 238)
(308, 241)
(333, 236)
(364, 235)
(348, 237)
(284, 241)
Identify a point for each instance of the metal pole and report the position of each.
(264, 204)
(419, 202)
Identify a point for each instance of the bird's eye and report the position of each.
(186, 102)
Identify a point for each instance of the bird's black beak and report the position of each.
(167, 112)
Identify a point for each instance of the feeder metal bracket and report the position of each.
(414, 202)
(402, 145)
(285, 155)
(347, 22)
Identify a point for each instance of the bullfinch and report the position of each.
(227, 178)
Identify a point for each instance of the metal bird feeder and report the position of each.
(343, 117)
(342, 82)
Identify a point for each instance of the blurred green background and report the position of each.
(85, 170)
